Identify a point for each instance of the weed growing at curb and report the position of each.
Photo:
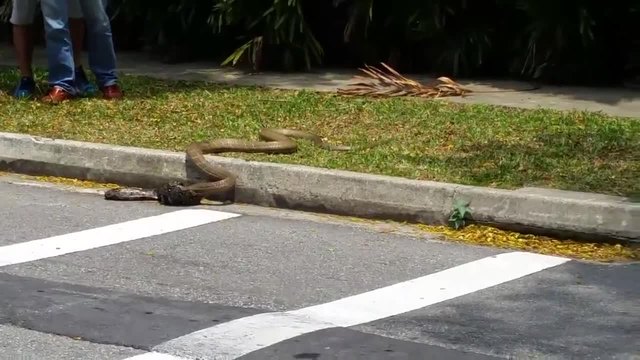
(459, 214)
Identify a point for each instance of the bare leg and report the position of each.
(23, 43)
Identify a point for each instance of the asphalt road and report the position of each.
(253, 283)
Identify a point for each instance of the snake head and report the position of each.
(175, 194)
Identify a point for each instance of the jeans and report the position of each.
(102, 57)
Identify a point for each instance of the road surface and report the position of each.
(85, 278)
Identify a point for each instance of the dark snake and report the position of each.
(219, 180)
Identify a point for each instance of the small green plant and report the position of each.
(460, 211)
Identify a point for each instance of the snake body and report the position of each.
(219, 180)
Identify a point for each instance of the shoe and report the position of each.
(25, 89)
(83, 85)
(57, 95)
(112, 92)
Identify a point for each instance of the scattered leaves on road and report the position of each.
(490, 236)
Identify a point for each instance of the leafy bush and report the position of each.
(570, 41)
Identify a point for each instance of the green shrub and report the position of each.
(569, 42)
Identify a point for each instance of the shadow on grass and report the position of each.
(138, 87)
(135, 87)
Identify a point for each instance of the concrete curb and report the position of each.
(533, 210)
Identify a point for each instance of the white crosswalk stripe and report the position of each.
(108, 235)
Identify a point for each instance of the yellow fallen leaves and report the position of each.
(489, 236)
(73, 182)
(62, 181)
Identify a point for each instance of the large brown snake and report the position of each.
(276, 141)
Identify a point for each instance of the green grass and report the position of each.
(412, 138)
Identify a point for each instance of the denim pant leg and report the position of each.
(58, 40)
(102, 57)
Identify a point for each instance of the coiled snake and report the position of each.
(276, 141)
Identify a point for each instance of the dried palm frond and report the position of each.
(394, 84)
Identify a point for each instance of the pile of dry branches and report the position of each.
(394, 84)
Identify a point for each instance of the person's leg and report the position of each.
(22, 15)
(77, 29)
(102, 57)
(59, 50)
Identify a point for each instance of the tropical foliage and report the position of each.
(569, 41)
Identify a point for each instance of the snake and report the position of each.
(219, 180)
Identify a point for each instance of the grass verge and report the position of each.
(429, 140)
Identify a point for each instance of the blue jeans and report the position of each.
(102, 57)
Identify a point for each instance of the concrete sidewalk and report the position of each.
(613, 101)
